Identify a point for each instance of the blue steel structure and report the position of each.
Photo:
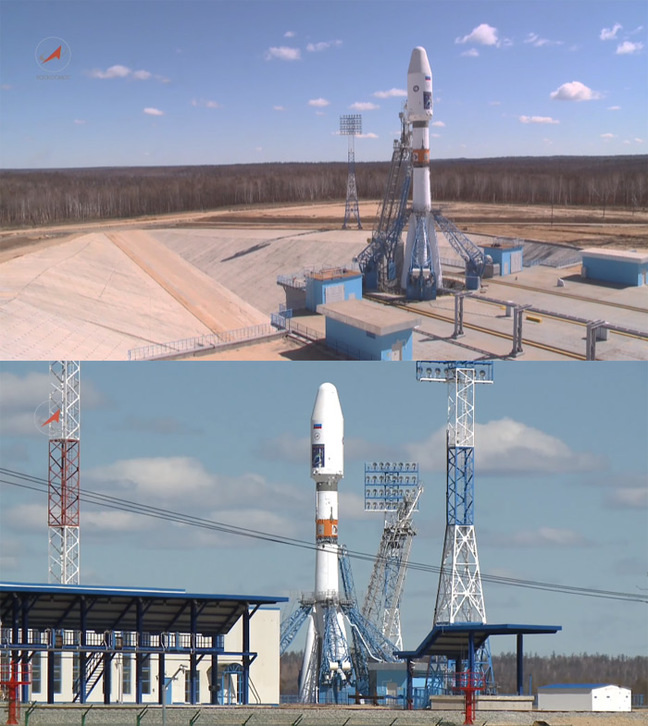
(472, 255)
(378, 260)
(97, 623)
(369, 644)
(460, 597)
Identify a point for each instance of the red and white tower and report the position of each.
(64, 448)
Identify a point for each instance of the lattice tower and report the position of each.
(63, 477)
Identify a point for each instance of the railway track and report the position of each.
(572, 296)
(480, 329)
(496, 333)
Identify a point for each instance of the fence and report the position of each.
(201, 343)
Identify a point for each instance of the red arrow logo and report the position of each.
(54, 417)
(55, 54)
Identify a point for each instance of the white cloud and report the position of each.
(112, 72)
(537, 42)
(610, 33)
(319, 102)
(629, 498)
(165, 477)
(547, 537)
(153, 111)
(289, 34)
(614, 108)
(319, 47)
(278, 108)
(506, 448)
(472, 53)
(283, 53)
(628, 48)
(637, 140)
(202, 103)
(25, 518)
(79, 121)
(364, 106)
(481, 35)
(438, 123)
(575, 91)
(142, 75)
(368, 135)
(391, 93)
(538, 120)
(608, 136)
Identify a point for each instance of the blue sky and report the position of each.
(561, 483)
(234, 81)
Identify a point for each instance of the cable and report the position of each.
(40, 485)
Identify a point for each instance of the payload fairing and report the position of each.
(421, 275)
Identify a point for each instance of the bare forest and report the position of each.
(538, 671)
(41, 197)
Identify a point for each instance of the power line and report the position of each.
(38, 484)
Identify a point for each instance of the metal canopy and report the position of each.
(453, 641)
(108, 609)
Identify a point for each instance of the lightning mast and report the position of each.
(392, 488)
(63, 479)
(351, 125)
(460, 598)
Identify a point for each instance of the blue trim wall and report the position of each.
(620, 271)
(502, 256)
(316, 289)
(362, 345)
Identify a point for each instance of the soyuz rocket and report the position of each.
(421, 261)
(327, 468)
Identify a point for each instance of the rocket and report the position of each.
(421, 249)
(327, 468)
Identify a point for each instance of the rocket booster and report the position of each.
(327, 468)
(419, 110)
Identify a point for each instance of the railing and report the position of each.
(200, 343)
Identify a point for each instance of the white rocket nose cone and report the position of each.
(327, 403)
(419, 61)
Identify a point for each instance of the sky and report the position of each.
(561, 483)
(175, 82)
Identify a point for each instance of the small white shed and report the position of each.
(584, 697)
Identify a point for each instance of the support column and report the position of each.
(459, 312)
(107, 677)
(520, 667)
(245, 692)
(213, 685)
(82, 654)
(138, 652)
(162, 679)
(409, 703)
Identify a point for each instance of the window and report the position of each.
(127, 674)
(146, 674)
(36, 677)
(58, 671)
(187, 676)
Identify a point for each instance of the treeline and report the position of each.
(543, 670)
(41, 197)
(578, 668)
